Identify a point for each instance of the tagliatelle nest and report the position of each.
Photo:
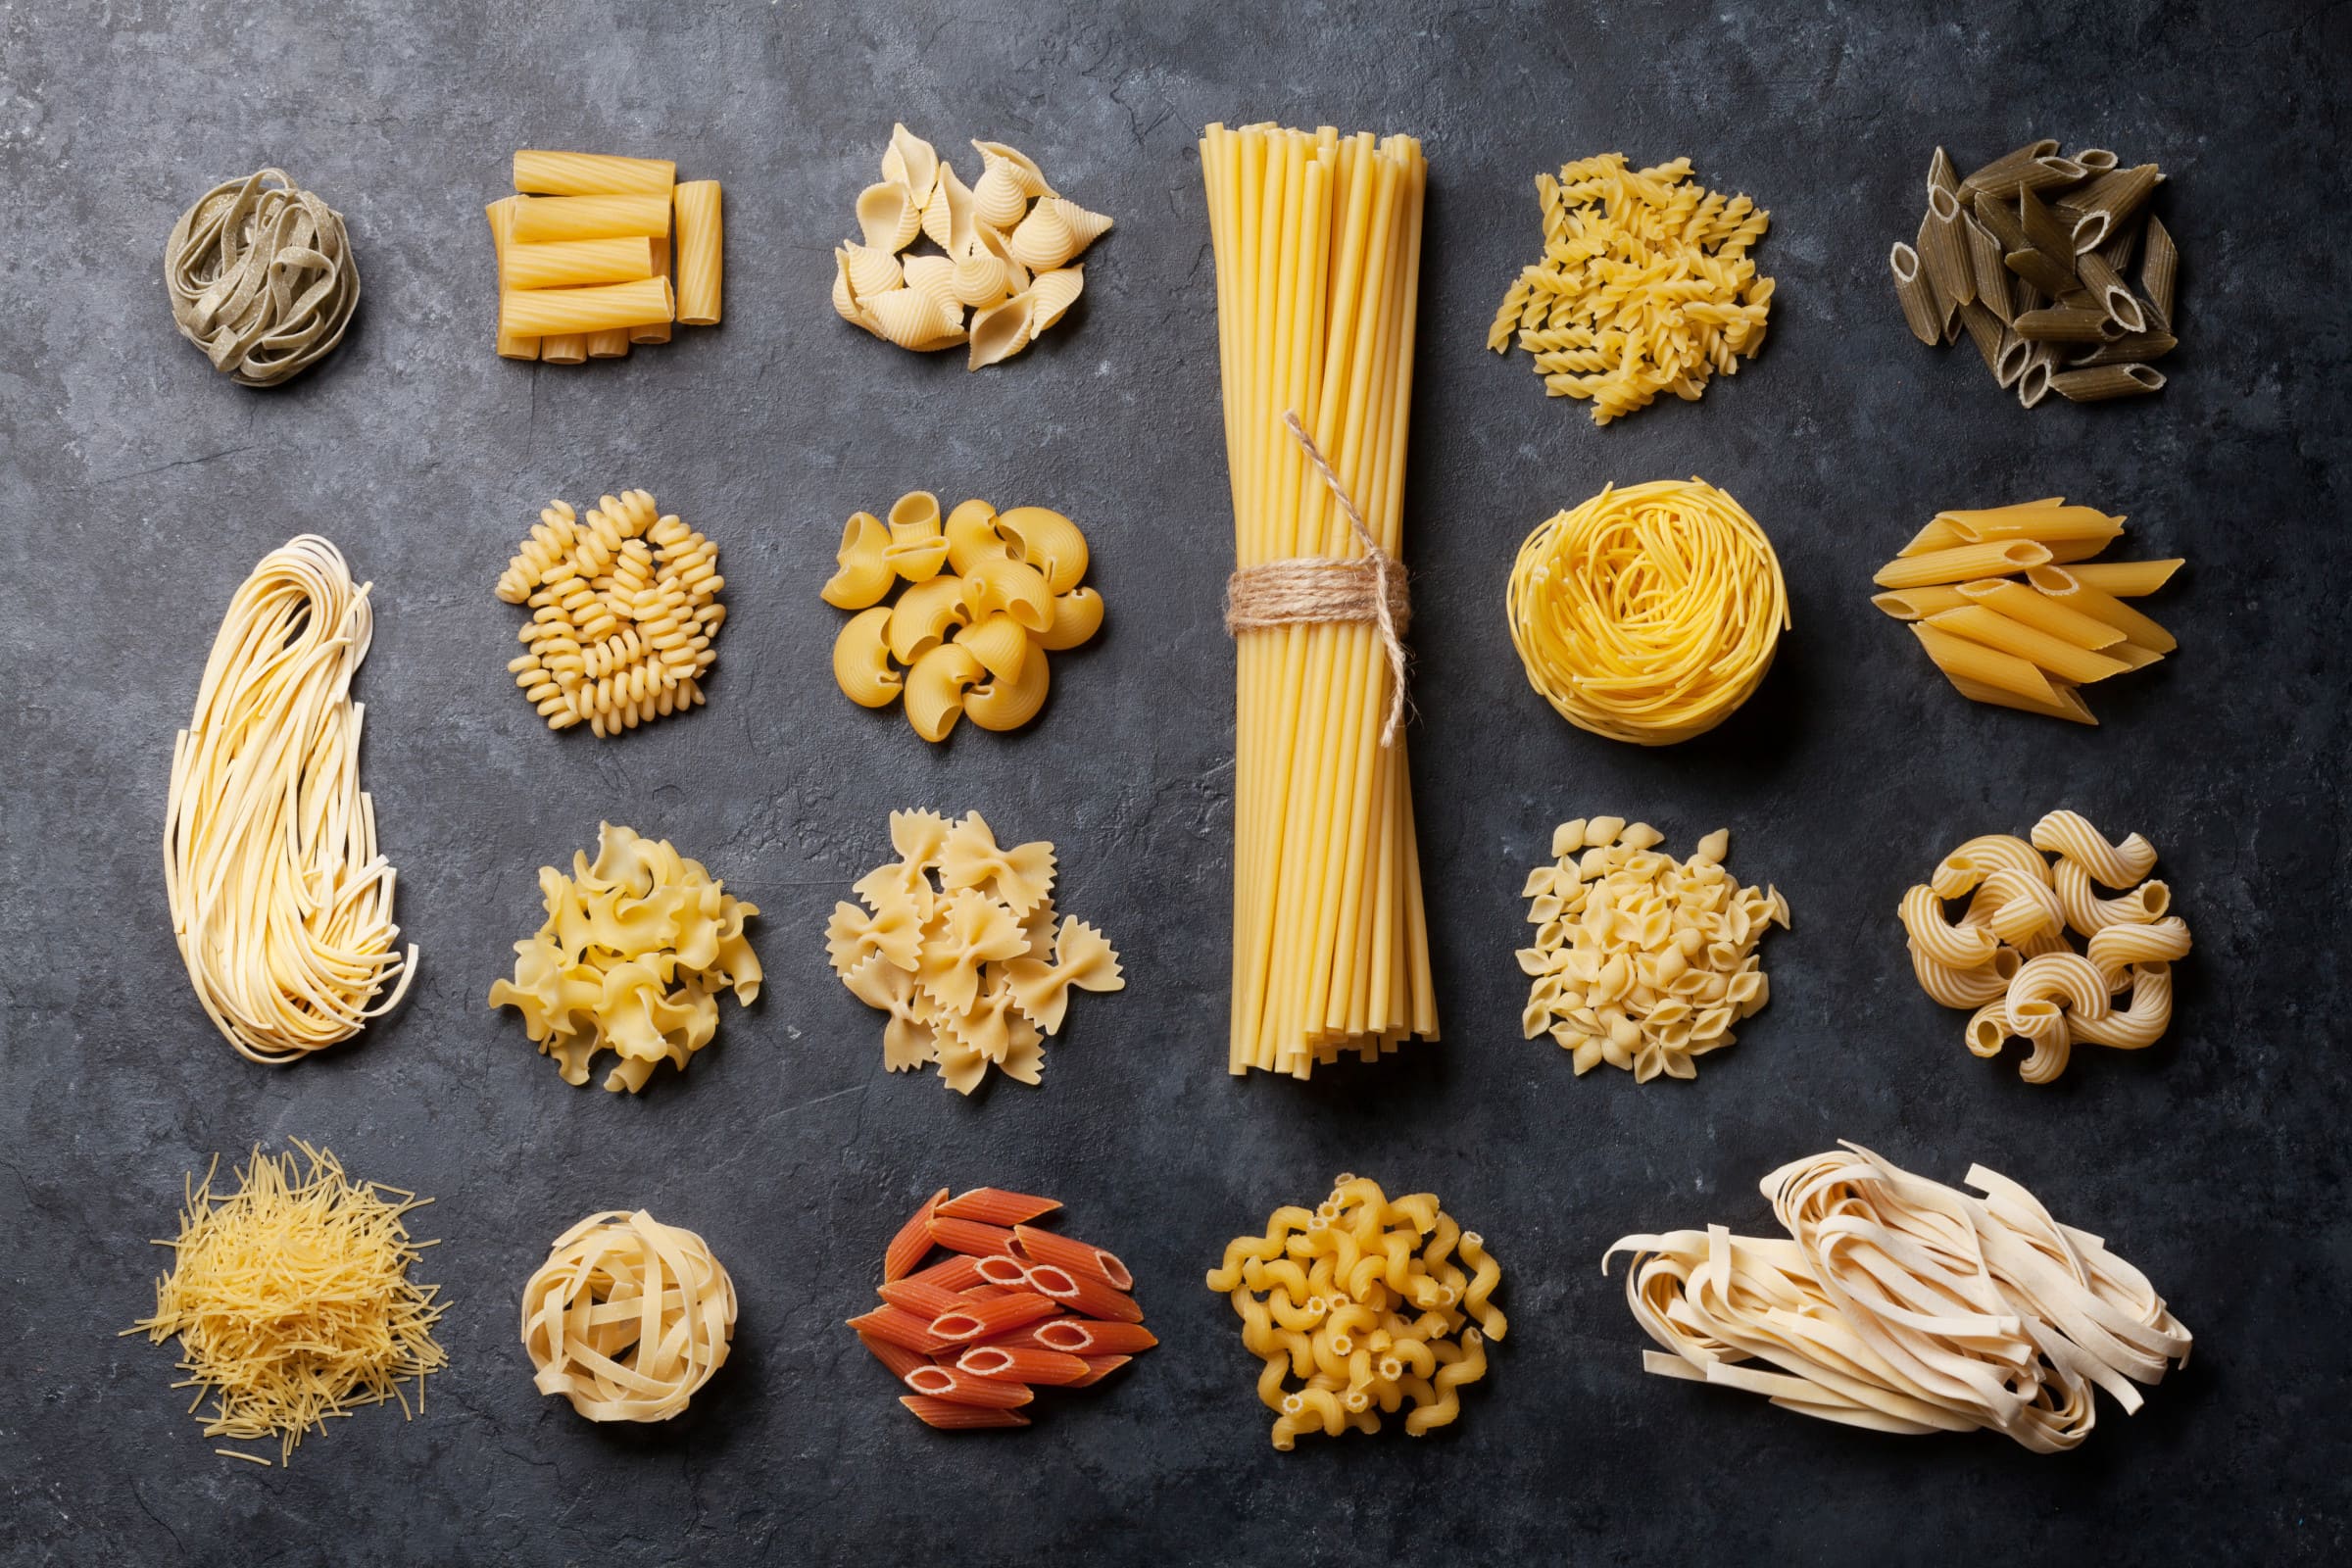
(636, 948)
(629, 1317)
(957, 942)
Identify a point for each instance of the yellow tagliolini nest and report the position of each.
(1642, 960)
(629, 1317)
(636, 948)
(1645, 287)
(624, 603)
(1361, 1300)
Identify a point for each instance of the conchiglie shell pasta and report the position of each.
(861, 665)
(997, 199)
(947, 216)
(1000, 331)
(923, 616)
(1003, 704)
(935, 688)
(1048, 541)
(982, 277)
(973, 535)
(1054, 231)
(933, 277)
(999, 642)
(866, 573)
(890, 216)
(1077, 617)
(1056, 291)
(914, 322)
(1022, 168)
(844, 298)
(912, 162)
(1011, 586)
(871, 270)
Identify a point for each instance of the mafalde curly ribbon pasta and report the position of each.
(637, 946)
(629, 1317)
(1369, 1304)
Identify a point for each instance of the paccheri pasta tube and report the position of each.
(1902, 1306)
(1370, 1303)
(1318, 250)
(587, 264)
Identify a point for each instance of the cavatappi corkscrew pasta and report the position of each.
(624, 605)
(1005, 268)
(1010, 1308)
(984, 596)
(1642, 960)
(1361, 1301)
(1645, 287)
(636, 948)
(629, 1317)
(2007, 956)
(1905, 1305)
(956, 941)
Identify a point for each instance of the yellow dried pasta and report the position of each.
(1642, 960)
(1362, 1303)
(636, 947)
(1645, 287)
(629, 1317)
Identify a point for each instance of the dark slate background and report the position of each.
(137, 489)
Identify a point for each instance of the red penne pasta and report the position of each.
(977, 1320)
(1082, 1293)
(952, 1417)
(993, 1206)
(1077, 1335)
(1022, 1338)
(907, 1248)
(957, 1273)
(901, 1327)
(1044, 1247)
(924, 1299)
(1003, 1269)
(1098, 1367)
(1001, 1362)
(970, 1236)
(962, 1387)
(898, 1357)
(989, 1292)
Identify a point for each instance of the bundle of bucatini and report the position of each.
(987, 597)
(2028, 257)
(1645, 287)
(1360, 1299)
(1905, 1305)
(625, 605)
(1012, 1309)
(1318, 255)
(2030, 644)
(587, 261)
(971, 967)
(636, 947)
(280, 903)
(292, 1301)
(1642, 960)
(2007, 955)
(1007, 261)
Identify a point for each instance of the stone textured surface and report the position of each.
(137, 489)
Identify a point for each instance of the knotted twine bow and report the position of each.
(1313, 589)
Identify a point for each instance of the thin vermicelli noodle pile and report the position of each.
(281, 906)
(292, 1300)
(629, 1317)
(1905, 1305)
(1650, 613)
(1318, 245)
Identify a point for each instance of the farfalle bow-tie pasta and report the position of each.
(1004, 271)
(956, 941)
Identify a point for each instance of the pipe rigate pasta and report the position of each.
(2031, 982)
(957, 942)
(985, 598)
(990, 238)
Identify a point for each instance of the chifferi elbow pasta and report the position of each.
(1642, 960)
(1362, 1306)
(2008, 959)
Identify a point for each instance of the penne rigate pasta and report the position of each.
(2053, 655)
(1942, 247)
(542, 219)
(1917, 293)
(2060, 323)
(550, 174)
(2101, 382)
(2159, 261)
(510, 345)
(2047, 523)
(1962, 564)
(2066, 704)
(573, 263)
(1999, 177)
(2019, 603)
(1917, 603)
(700, 252)
(1959, 658)
(1991, 274)
(2071, 591)
(2133, 348)
(2108, 201)
(2125, 580)
(2114, 295)
(584, 309)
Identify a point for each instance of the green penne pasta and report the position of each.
(2100, 383)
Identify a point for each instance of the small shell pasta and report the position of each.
(1054, 231)
(1002, 331)
(1056, 291)
(889, 216)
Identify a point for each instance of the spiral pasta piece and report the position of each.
(2116, 866)
(1650, 613)
(628, 1318)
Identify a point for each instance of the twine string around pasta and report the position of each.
(262, 280)
(1308, 590)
